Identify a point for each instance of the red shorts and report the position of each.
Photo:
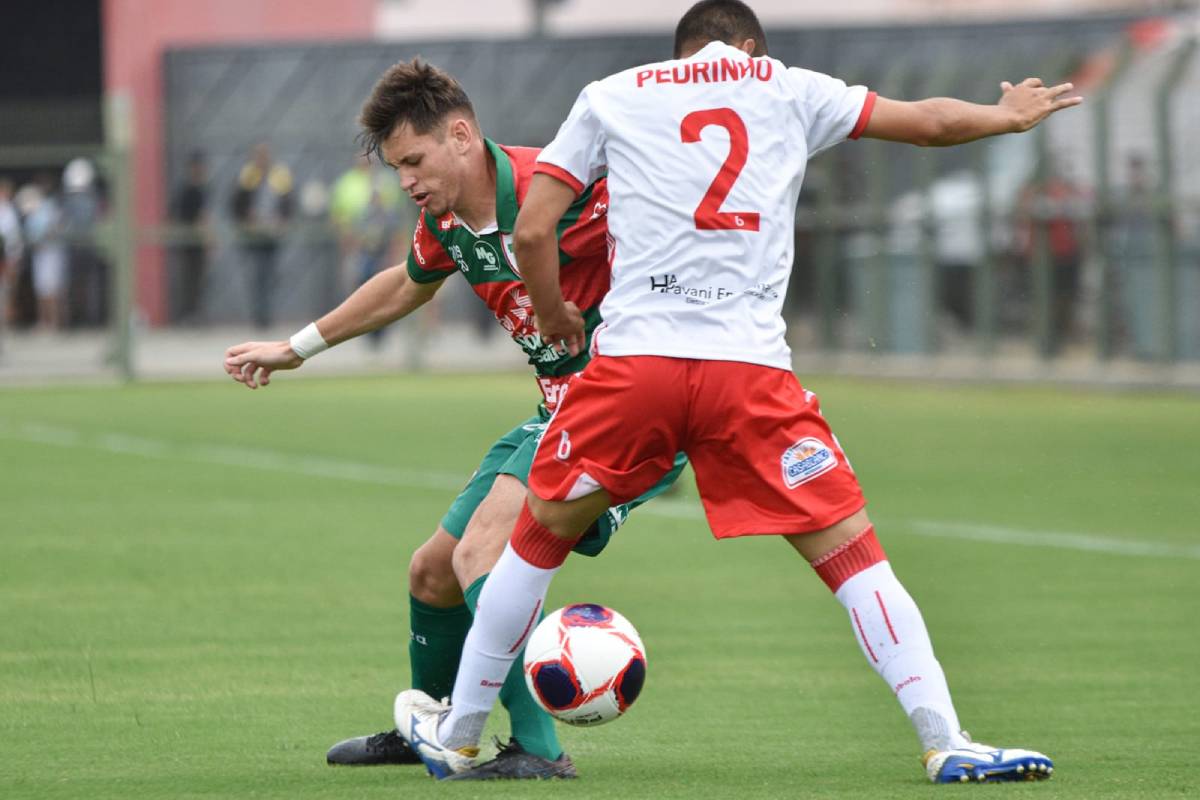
(765, 459)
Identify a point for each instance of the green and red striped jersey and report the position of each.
(443, 246)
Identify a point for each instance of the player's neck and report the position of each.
(478, 206)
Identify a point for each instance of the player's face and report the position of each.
(430, 165)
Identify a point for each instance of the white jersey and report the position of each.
(705, 156)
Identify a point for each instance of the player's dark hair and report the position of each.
(729, 21)
(412, 93)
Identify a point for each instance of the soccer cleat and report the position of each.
(513, 762)
(368, 751)
(417, 718)
(980, 763)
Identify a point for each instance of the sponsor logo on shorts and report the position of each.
(805, 460)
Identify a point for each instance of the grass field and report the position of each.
(204, 587)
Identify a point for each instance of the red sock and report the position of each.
(535, 543)
(849, 558)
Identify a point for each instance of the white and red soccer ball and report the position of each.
(585, 664)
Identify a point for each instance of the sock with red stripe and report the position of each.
(891, 634)
(531, 726)
(508, 610)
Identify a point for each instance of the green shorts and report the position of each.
(513, 455)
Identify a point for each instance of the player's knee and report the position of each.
(479, 549)
(431, 578)
(568, 519)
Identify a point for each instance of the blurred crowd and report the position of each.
(52, 272)
(361, 213)
(1040, 247)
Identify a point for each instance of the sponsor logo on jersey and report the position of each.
(486, 255)
(510, 255)
(805, 460)
(669, 284)
(598, 210)
(456, 254)
(554, 389)
(763, 291)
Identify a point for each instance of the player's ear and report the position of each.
(463, 133)
(748, 47)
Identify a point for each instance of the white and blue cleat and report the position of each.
(981, 763)
(417, 718)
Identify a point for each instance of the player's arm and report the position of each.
(388, 296)
(535, 241)
(944, 121)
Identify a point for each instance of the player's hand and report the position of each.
(563, 328)
(251, 363)
(1031, 101)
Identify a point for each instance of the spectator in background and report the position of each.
(189, 210)
(44, 231)
(352, 194)
(958, 242)
(1134, 251)
(12, 244)
(377, 230)
(1055, 207)
(87, 273)
(262, 207)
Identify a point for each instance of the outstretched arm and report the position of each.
(385, 298)
(535, 241)
(943, 121)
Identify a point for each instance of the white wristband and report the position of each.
(308, 342)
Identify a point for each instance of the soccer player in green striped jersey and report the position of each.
(421, 123)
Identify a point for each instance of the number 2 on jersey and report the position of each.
(709, 216)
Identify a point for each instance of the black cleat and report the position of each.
(369, 751)
(513, 763)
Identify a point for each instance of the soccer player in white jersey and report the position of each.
(704, 155)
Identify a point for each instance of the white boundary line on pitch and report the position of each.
(360, 472)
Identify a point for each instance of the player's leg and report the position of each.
(891, 633)
(438, 614)
(591, 420)
(786, 469)
(538, 752)
(438, 625)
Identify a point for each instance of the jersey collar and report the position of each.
(506, 194)
(506, 189)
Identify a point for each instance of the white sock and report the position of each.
(509, 607)
(892, 636)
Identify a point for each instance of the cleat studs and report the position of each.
(1042, 767)
(1049, 770)
(963, 779)
(1020, 768)
(981, 777)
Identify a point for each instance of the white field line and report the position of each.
(359, 472)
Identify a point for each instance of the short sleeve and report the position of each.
(830, 110)
(427, 260)
(576, 156)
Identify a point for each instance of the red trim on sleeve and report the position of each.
(555, 171)
(864, 117)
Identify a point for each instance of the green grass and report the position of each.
(177, 625)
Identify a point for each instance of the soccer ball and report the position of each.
(585, 664)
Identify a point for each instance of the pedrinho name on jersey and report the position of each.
(718, 71)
